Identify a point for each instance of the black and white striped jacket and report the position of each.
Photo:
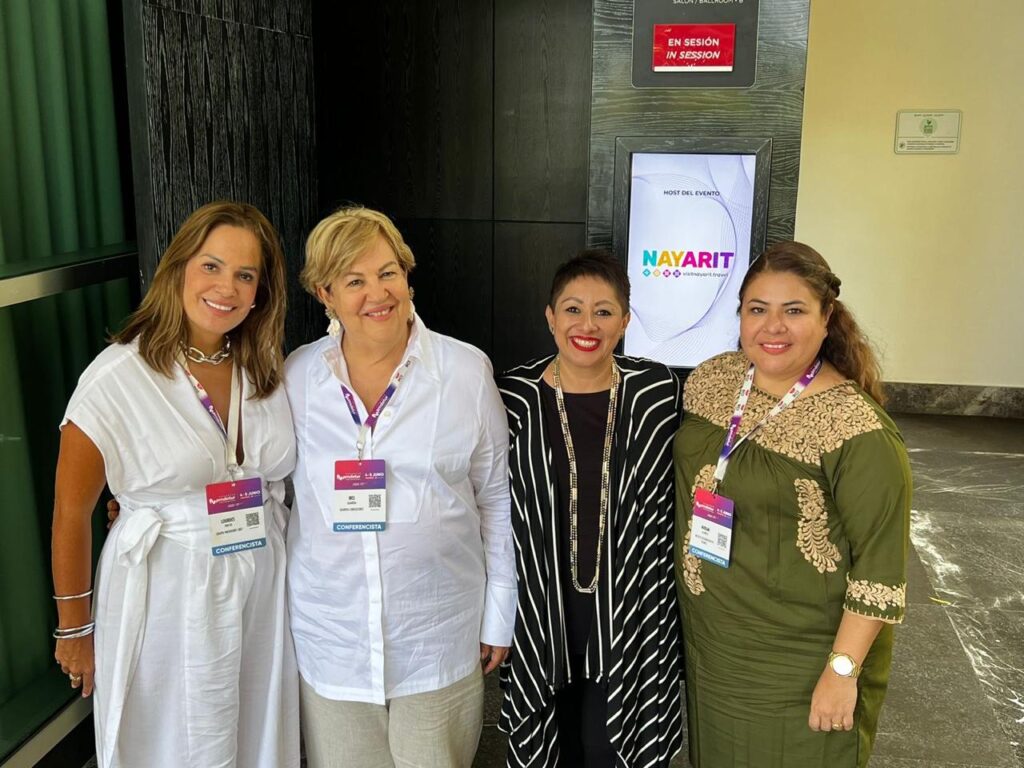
(635, 647)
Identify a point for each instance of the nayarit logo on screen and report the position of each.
(670, 263)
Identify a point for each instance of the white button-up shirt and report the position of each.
(403, 611)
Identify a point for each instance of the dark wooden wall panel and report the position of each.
(451, 116)
(542, 79)
(221, 98)
(404, 94)
(453, 276)
(772, 108)
(277, 15)
(525, 259)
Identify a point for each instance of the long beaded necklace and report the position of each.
(606, 457)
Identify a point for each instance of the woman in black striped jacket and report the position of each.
(593, 679)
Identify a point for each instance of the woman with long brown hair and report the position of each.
(185, 638)
(793, 502)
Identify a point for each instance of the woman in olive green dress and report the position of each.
(788, 615)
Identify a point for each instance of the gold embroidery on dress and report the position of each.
(880, 595)
(705, 479)
(817, 425)
(691, 563)
(812, 426)
(812, 528)
(711, 390)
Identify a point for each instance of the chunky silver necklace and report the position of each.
(602, 522)
(218, 357)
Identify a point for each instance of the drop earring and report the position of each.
(334, 326)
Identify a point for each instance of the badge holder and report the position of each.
(360, 485)
(711, 534)
(235, 511)
(360, 495)
(711, 528)
(236, 515)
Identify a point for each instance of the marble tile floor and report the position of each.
(956, 697)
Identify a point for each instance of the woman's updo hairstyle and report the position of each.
(846, 346)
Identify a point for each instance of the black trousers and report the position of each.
(582, 712)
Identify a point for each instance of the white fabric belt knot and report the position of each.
(137, 532)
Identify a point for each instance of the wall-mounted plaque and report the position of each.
(694, 43)
(927, 132)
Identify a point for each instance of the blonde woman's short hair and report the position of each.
(341, 238)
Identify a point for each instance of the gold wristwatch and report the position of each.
(843, 664)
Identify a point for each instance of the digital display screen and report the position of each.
(689, 240)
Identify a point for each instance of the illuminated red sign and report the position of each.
(694, 47)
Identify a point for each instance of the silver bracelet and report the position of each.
(72, 597)
(83, 633)
(70, 633)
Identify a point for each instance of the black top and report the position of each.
(588, 420)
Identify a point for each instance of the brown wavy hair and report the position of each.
(846, 346)
(159, 323)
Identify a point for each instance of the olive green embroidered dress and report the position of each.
(822, 508)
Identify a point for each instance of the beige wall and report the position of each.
(929, 248)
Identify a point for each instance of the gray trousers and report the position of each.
(436, 729)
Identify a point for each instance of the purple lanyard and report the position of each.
(367, 426)
(230, 432)
(731, 441)
(204, 398)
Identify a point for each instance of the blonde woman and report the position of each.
(401, 577)
(185, 639)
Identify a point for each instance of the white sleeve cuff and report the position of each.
(499, 615)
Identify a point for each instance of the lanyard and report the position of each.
(230, 432)
(731, 441)
(365, 427)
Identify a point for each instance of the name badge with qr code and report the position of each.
(360, 496)
(711, 531)
(235, 514)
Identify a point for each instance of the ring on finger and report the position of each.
(75, 679)
(837, 725)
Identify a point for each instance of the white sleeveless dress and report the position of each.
(194, 658)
